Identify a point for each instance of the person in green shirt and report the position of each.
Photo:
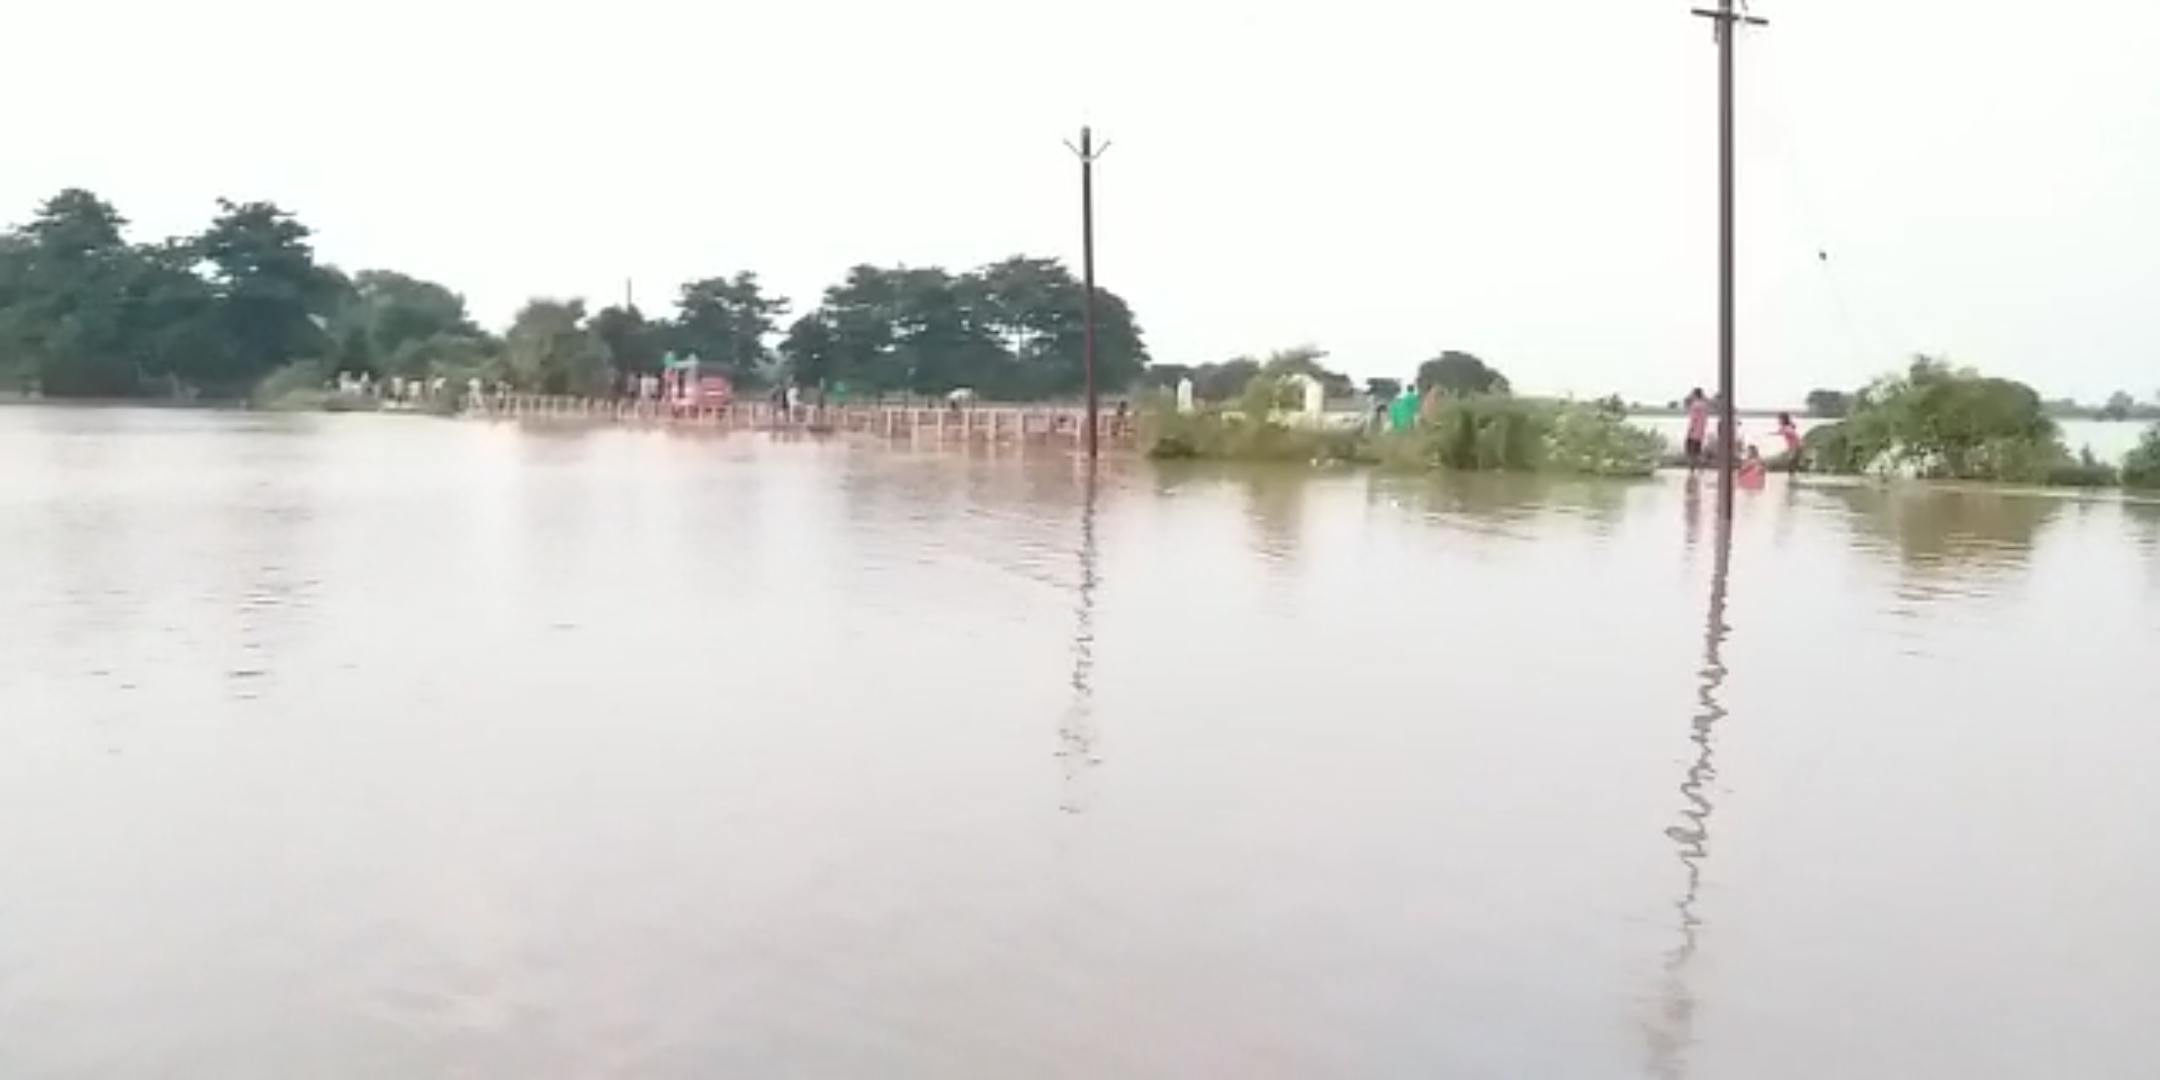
(1402, 412)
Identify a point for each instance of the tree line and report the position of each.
(1453, 372)
(87, 311)
(2120, 405)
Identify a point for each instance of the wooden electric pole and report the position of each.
(1727, 20)
(1088, 153)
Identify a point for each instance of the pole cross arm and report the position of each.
(1740, 17)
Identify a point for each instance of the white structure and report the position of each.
(1184, 395)
(1315, 399)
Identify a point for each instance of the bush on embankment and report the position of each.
(1937, 422)
(2141, 468)
(1501, 433)
(298, 387)
(1253, 428)
(311, 386)
(1475, 433)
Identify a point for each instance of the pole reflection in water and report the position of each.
(1691, 514)
(1076, 735)
(1671, 1037)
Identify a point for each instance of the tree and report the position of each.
(808, 352)
(70, 282)
(2141, 468)
(85, 311)
(172, 326)
(633, 342)
(1305, 360)
(549, 349)
(1944, 422)
(726, 321)
(1225, 381)
(1459, 373)
(1014, 330)
(1165, 376)
(1828, 404)
(1035, 309)
(1383, 389)
(2119, 406)
(269, 291)
(389, 323)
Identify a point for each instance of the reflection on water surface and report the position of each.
(366, 747)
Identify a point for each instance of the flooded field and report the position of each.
(2109, 440)
(367, 747)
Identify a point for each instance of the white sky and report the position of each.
(1533, 182)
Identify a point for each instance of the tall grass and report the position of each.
(1484, 433)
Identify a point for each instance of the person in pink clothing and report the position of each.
(1789, 433)
(1698, 426)
(1752, 470)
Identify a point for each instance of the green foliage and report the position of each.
(1305, 360)
(550, 349)
(1013, 330)
(1939, 422)
(1261, 425)
(86, 312)
(1498, 433)
(2141, 469)
(725, 322)
(1228, 435)
(1458, 373)
(1230, 379)
(390, 324)
(1477, 433)
(303, 386)
(1828, 404)
(1482, 433)
(1214, 382)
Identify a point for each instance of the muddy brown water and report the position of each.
(382, 747)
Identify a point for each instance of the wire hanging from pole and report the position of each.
(1862, 333)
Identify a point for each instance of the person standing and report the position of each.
(1794, 446)
(1403, 413)
(1698, 428)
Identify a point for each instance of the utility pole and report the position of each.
(1088, 153)
(1727, 20)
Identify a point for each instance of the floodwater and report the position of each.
(371, 747)
(2108, 440)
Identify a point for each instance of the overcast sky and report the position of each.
(1533, 182)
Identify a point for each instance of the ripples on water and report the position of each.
(359, 747)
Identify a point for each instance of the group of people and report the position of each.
(394, 388)
(1750, 470)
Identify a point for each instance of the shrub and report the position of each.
(1945, 423)
(1498, 433)
(1217, 434)
(2086, 470)
(1476, 433)
(296, 387)
(2141, 469)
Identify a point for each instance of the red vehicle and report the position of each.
(714, 391)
